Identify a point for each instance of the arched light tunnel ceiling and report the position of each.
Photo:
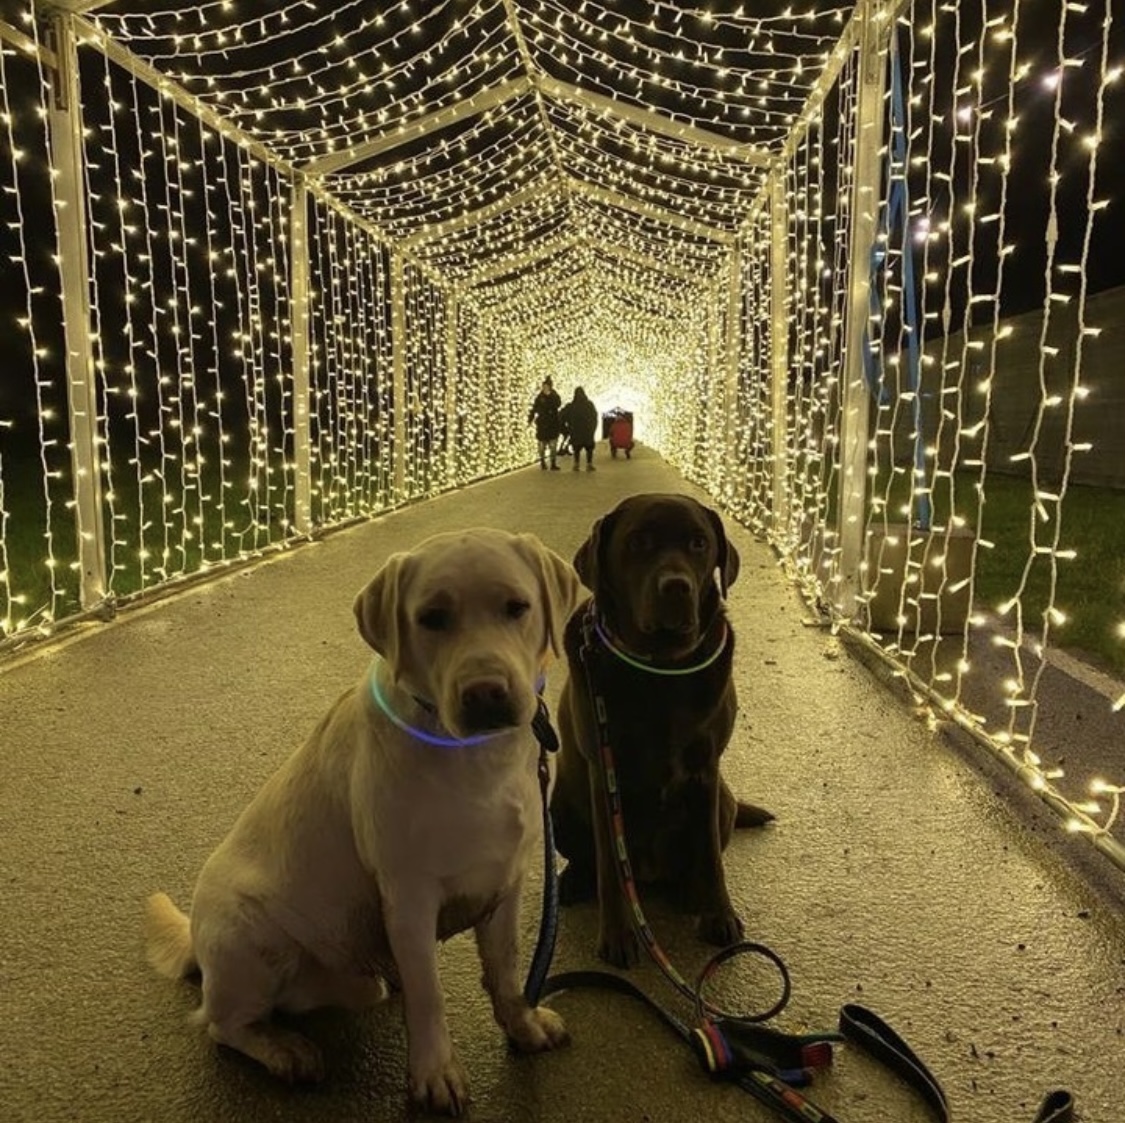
(546, 156)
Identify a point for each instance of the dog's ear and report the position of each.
(586, 558)
(589, 561)
(728, 562)
(559, 588)
(380, 608)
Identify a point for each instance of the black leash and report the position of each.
(866, 1029)
(768, 1064)
(549, 914)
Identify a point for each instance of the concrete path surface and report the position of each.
(899, 874)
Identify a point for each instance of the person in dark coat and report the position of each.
(582, 425)
(545, 413)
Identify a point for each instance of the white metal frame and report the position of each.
(483, 101)
(310, 180)
(779, 349)
(650, 120)
(733, 348)
(528, 194)
(299, 322)
(856, 399)
(64, 119)
(612, 198)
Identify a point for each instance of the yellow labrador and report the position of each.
(410, 814)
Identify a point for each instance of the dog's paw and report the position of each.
(577, 884)
(305, 1063)
(535, 1030)
(293, 1058)
(439, 1086)
(618, 946)
(721, 929)
(288, 1055)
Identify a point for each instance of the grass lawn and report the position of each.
(159, 529)
(1089, 588)
(161, 525)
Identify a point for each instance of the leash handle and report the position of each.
(866, 1029)
(1057, 1107)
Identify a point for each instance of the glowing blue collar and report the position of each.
(424, 735)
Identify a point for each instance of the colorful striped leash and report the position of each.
(763, 1061)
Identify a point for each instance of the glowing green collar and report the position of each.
(652, 668)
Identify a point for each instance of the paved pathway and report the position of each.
(893, 876)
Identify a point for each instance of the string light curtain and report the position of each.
(1005, 111)
(190, 307)
(351, 408)
(38, 584)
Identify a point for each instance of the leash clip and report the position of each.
(543, 729)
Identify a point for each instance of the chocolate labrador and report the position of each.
(655, 646)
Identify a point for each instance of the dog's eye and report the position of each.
(517, 608)
(641, 542)
(435, 619)
(697, 544)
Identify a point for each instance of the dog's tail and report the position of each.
(747, 815)
(168, 935)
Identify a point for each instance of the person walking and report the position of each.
(582, 422)
(564, 431)
(545, 413)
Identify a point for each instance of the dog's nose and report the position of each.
(486, 704)
(674, 587)
(675, 602)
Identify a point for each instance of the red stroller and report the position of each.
(621, 433)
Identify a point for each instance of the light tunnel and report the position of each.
(274, 272)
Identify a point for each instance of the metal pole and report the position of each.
(64, 118)
(452, 429)
(779, 350)
(706, 456)
(865, 201)
(734, 356)
(398, 368)
(299, 315)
